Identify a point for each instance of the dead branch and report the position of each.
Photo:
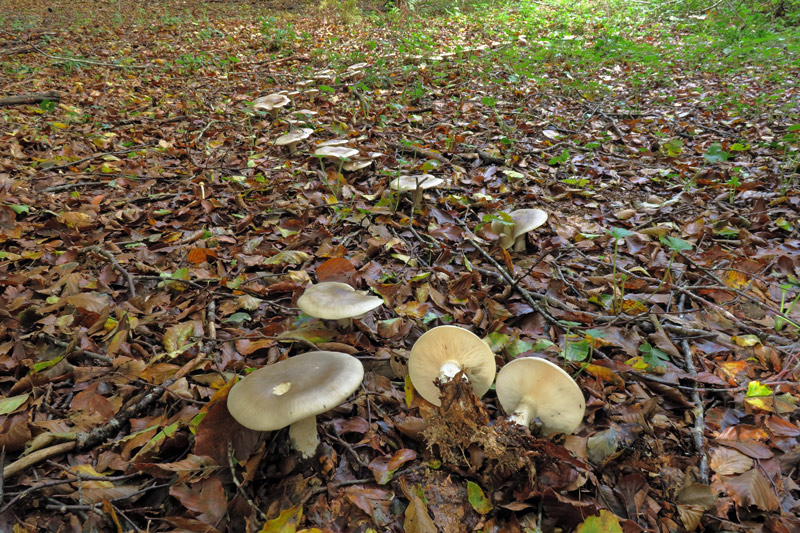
(698, 429)
(108, 255)
(36, 457)
(419, 151)
(33, 98)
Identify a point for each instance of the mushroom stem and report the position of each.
(524, 412)
(293, 147)
(304, 437)
(448, 371)
(520, 244)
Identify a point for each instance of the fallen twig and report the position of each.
(698, 429)
(33, 98)
(410, 148)
(108, 255)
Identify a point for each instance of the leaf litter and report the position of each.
(154, 241)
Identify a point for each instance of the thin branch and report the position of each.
(108, 255)
(698, 429)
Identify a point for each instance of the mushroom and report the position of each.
(294, 137)
(338, 154)
(523, 221)
(271, 103)
(293, 392)
(443, 352)
(333, 142)
(531, 388)
(412, 183)
(332, 300)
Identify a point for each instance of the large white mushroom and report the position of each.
(332, 300)
(271, 103)
(443, 352)
(412, 183)
(293, 392)
(530, 388)
(293, 138)
(523, 221)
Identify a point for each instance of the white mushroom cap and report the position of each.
(333, 301)
(271, 103)
(292, 392)
(356, 164)
(524, 220)
(333, 142)
(293, 137)
(532, 388)
(336, 153)
(411, 183)
(444, 351)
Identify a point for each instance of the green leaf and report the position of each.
(488, 100)
(755, 389)
(673, 147)
(9, 405)
(605, 522)
(619, 233)
(20, 208)
(237, 318)
(477, 498)
(44, 365)
(675, 244)
(577, 351)
(652, 356)
(326, 89)
(496, 340)
(516, 347)
(739, 147)
(47, 105)
(563, 158)
(715, 154)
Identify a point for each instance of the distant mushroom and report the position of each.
(293, 392)
(412, 183)
(331, 300)
(523, 221)
(293, 138)
(531, 388)
(338, 154)
(443, 352)
(271, 103)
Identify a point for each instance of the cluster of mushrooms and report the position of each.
(336, 151)
(294, 391)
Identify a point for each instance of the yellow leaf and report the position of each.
(75, 219)
(746, 341)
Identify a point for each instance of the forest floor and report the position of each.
(154, 241)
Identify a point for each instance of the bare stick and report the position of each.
(698, 430)
(86, 61)
(408, 148)
(37, 457)
(108, 255)
(34, 98)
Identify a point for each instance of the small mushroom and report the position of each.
(331, 300)
(531, 388)
(293, 392)
(443, 352)
(293, 138)
(333, 142)
(337, 154)
(412, 183)
(271, 104)
(524, 220)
